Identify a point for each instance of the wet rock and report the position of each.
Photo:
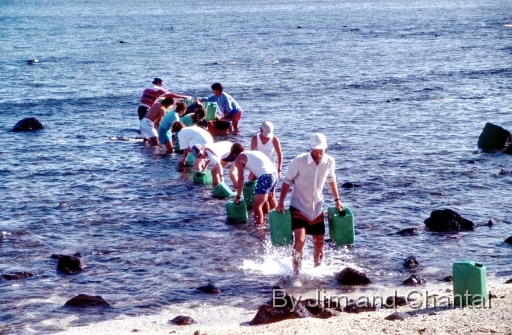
(448, 279)
(29, 123)
(349, 276)
(328, 313)
(17, 276)
(508, 281)
(411, 262)
(414, 280)
(504, 172)
(350, 185)
(336, 304)
(84, 300)
(447, 220)
(395, 301)
(490, 223)
(183, 320)
(209, 288)
(360, 308)
(408, 231)
(397, 316)
(33, 61)
(70, 264)
(508, 150)
(313, 306)
(282, 308)
(509, 240)
(494, 137)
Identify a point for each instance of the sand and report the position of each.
(495, 318)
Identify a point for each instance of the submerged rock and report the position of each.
(447, 220)
(208, 288)
(350, 185)
(414, 280)
(27, 124)
(408, 231)
(448, 279)
(411, 262)
(494, 137)
(70, 264)
(19, 275)
(183, 320)
(349, 276)
(84, 300)
(509, 240)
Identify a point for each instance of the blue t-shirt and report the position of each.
(164, 129)
(227, 105)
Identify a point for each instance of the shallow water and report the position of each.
(402, 92)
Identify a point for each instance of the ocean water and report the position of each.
(402, 90)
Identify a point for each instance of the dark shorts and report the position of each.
(315, 227)
(142, 112)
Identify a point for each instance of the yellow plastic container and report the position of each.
(469, 283)
(204, 178)
(237, 213)
(341, 226)
(280, 228)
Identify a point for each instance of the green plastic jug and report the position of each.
(280, 228)
(211, 111)
(190, 159)
(222, 191)
(341, 227)
(248, 192)
(237, 213)
(470, 279)
(189, 102)
(204, 178)
(177, 148)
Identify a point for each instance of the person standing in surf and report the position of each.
(227, 105)
(308, 173)
(151, 94)
(150, 123)
(269, 144)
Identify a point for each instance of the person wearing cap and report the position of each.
(227, 105)
(266, 173)
(164, 129)
(151, 94)
(219, 154)
(189, 136)
(150, 123)
(269, 144)
(308, 173)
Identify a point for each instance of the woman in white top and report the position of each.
(269, 144)
(190, 136)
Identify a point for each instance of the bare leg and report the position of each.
(257, 207)
(169, 148)
(216, 171)
(233, 174)
(272, 202)
(299, 239)
(318, 243)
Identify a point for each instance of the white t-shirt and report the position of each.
(218, 151)
(258, 163)
(189, 136)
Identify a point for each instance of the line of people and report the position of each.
(307, 173)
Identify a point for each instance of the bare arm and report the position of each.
(185, 154)
(334, 190)
(254, 143)
(239, 163)
(176, 96)
(279, 152)
(284, 191)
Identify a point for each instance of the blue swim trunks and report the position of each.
(266, 183)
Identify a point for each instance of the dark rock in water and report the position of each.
(70, 264)
(494, 137)
(183, 320)
(349, 185)
(508, 281)
(57, 256)
(411, 262)
(395, 301)
(282, 307)
(448, 279)
(414, 280)
(360, 308)
(508, 150)
(397, 316)
(502, 171)
(208, 288)
(84, 300)
(446, 220)
(33, 61)
(313, 306)
(509, 240)
(19, 275)
(408, 231)
(328, 313)
(490, 223)
(27, 124)
(349, 276)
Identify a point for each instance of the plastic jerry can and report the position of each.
(248, 192)
(204, 178)
(470, 279)
(190, 159)
(280, 228)
(222, 191)
(211, 111)
(341, 225)
(177, 148)
(237, 213)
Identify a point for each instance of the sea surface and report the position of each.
(402, 90)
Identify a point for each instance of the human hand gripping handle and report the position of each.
(280, 208)
(237, 200)
(339, 204)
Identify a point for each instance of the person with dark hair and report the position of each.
(164, 130)
(151, 94)
(219, 154)
(150, 123)
(308, 173)
(226, 104)
(194, 118)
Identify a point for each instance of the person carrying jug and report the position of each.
(266, 173)
(308, 173)
(189, 136)
(151, 94)
(269, 144)
(219, 154)
(228, 106)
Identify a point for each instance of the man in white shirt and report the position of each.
(189, 136)
(308, 172)
(219, 154)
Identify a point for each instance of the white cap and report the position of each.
(267, 129)
(318, 141)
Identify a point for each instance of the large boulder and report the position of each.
(280, 308)
(446, 220)
(29, 123)
(494, 137)
(84, 300)
(349, 276)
